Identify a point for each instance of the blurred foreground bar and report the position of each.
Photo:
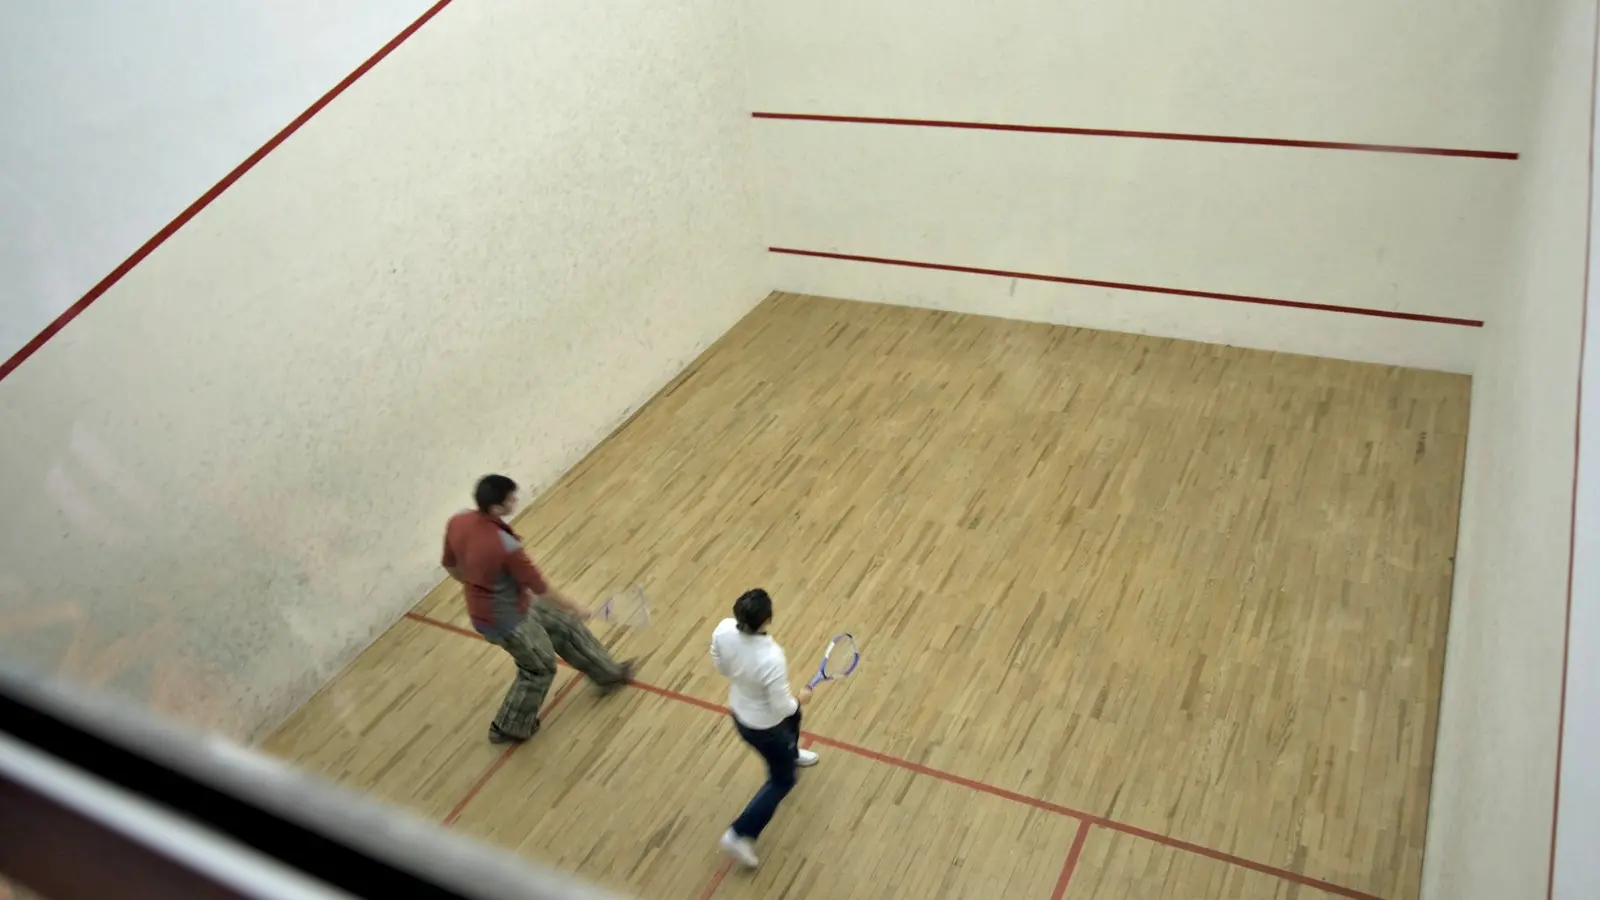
(98, 801)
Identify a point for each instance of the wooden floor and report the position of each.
(1140, 619)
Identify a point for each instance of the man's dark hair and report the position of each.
(753, 610)
(492, 490)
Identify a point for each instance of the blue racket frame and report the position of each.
(823, 673)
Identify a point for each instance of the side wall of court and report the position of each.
(118, 115)
(1577, 869)
(1416, 234)
(1494, 772)
(231, 472)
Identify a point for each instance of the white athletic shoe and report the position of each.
(743, 850)
(805, 758)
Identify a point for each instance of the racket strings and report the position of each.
(841, 657)
(626, 607)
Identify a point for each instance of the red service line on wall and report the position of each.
(1142, 135)
(1125, 286)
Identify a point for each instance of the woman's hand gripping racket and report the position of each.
(838, 661)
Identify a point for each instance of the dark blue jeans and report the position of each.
(780, 747)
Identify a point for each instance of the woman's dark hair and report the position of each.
(492, 490)
(753, 610)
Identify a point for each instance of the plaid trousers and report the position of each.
(547, 631)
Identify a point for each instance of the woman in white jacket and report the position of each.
(766, 714)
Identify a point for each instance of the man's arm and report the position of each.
(531, 580)
(572, 606)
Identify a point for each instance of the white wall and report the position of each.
(1416, 234)
(1490, 814)
(1577, 870)
(114, 116)
(232, 471)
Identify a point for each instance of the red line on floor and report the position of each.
(1140, 135)
(951, 778)
(716, 880)
(1072, 861)
(1241, 862)
(477, 786)
(681, 698)
(1577, 454)
(171, 228)
(489, 773)
(1024, 799)
(438, 623)
(1126, 286)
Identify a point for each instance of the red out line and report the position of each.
(1126, 286)
(1141, 135)
(1072, 861)
(1034, 802)
(1577, 455)
(171, 228)
(489, 773)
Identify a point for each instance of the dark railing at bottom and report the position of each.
(98, 800)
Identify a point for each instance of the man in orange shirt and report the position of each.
(513, 607)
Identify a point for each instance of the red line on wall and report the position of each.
(1141, 288)
(171, 228)
(1577, 455)
(1034, 802)
(1141, 135)
(1072, 861)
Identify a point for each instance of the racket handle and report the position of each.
(815, 680)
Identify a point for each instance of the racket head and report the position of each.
(841, 657)
(627, 608)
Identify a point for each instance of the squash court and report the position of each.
(1140, 618)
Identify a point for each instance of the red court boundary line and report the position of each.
(1072, 860)
(982, 787)
(1405, 149)
(505, 755)
(171, 228)
(1577, 455)
(1126, 286)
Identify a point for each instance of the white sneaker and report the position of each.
(743, 850)
(805, 758)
